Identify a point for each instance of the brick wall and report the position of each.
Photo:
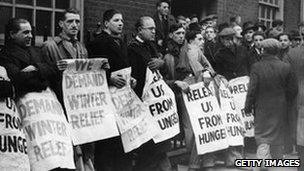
(131, 9)
(248, 9)
(292, 14)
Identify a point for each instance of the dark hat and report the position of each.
(213, 16)
(260, 24)
(193, 16)
(208, 18)
(205, 19)
(227, 32)
(277, 22)
(195, 27)
(248, 26)
(260, 33)
(222, 26)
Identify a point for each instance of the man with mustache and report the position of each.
(64, 46)
(67, 46)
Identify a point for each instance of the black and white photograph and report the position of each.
(151, 85)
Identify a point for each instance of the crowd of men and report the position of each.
(186, 51)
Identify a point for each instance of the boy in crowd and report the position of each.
(248, 31)
(257, 49)
(211, 45)
(284, 38)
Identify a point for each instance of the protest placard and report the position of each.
(231, 117)
(46, 130)
(206, 118)
(162, 105)
(135, 123)
(13, 147)
(87, 101)
(238, 88)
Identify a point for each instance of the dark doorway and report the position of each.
(188, 7)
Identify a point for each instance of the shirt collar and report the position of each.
(67, 38)
(139, 39)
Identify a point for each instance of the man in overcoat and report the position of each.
(296, 59)
(109, 153)
(143, 53)
(64, 46)
(272, 85)
(67, 46)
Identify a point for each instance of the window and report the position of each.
(42, 14)
(270, 10)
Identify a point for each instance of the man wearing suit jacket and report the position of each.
(163, 20)
(143, 54)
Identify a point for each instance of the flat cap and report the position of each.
(227, 32)
(271, 45)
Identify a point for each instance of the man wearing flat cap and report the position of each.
(272, 88)
(232, 60)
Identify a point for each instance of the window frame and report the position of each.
(78, 4)
(278, 8)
